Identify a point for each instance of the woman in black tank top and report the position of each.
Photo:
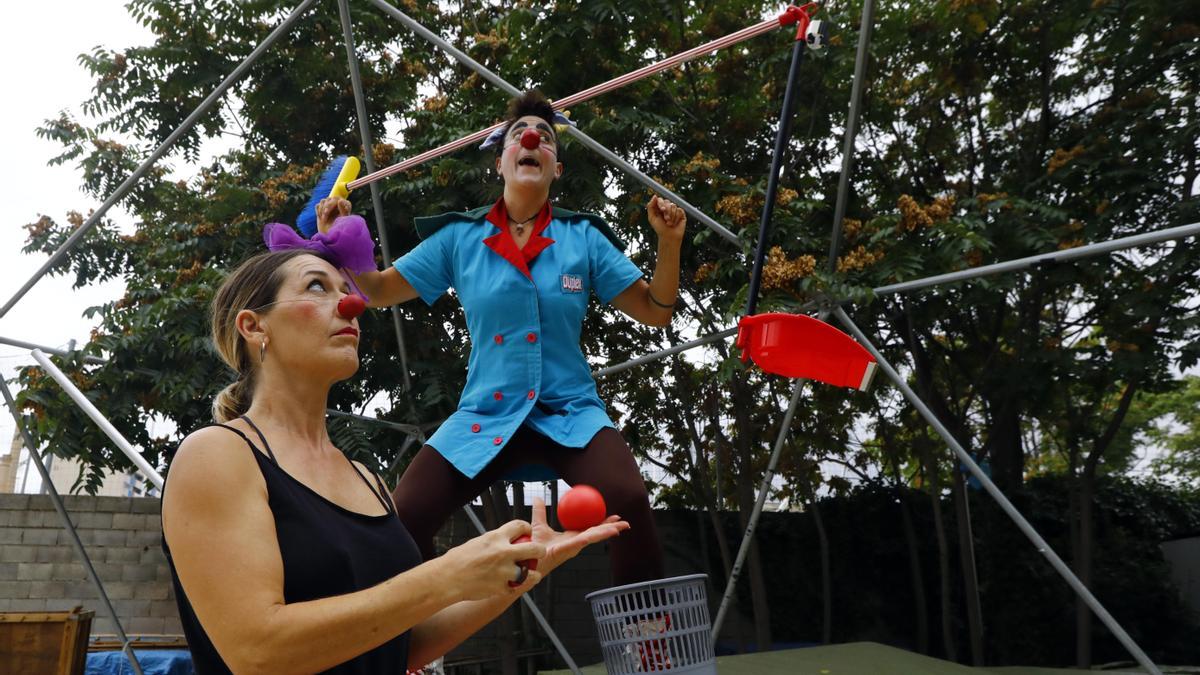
(288, 557)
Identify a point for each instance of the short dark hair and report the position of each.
(532, 102)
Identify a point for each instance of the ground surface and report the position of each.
(856, 658)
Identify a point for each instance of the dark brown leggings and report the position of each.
(431, 489)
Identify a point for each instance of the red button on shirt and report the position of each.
(497, 440)
(531, 394)
(499, 339)
(497, 396)
(531, 337)
(475, 428)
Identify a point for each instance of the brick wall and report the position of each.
(39, 571)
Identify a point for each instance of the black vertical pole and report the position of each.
(781, 140)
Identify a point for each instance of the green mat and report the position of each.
(855, 658)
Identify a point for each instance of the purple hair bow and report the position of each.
(347, 244)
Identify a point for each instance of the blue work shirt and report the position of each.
(524, 310)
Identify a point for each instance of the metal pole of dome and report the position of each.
(1005, 505)
(364, 131)
(1016, 265)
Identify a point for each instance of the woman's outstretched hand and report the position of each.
(481, 568)
(562, 546)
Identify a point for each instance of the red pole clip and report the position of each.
(790, 16)
(798, 15)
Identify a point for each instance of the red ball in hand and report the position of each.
(531, 563)
(581, 507)
(350, 306)
(531, 139)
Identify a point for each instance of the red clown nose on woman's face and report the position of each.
(351, 306)
(531, 139)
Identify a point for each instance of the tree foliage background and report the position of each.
(990, 132)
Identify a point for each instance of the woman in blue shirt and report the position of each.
(523, 270)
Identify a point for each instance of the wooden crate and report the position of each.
(54, 643)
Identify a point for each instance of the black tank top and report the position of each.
(327, 550)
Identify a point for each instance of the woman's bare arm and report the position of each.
(222, 537)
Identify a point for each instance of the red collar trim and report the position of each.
(506, 247)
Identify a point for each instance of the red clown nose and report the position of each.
(530, 139)
(350, 306)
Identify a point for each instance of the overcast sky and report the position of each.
(44, 77)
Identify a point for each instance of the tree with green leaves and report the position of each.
(989, 132)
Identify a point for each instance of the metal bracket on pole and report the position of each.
(1005, 505)
(48, 486)
(158, 152)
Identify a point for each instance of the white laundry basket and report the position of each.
(655, 626)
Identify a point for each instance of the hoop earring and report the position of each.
(262, 350)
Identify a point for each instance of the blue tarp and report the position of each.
(153, 662)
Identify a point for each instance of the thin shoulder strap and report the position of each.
(387, 499)
(266, 445)
(388, 507)
(239, 433)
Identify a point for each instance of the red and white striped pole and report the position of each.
(789, 17)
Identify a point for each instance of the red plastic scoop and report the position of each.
(531, 139)
(794, 345)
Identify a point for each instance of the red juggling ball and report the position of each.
(581, 507)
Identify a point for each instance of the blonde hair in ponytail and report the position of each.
(252, 285)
